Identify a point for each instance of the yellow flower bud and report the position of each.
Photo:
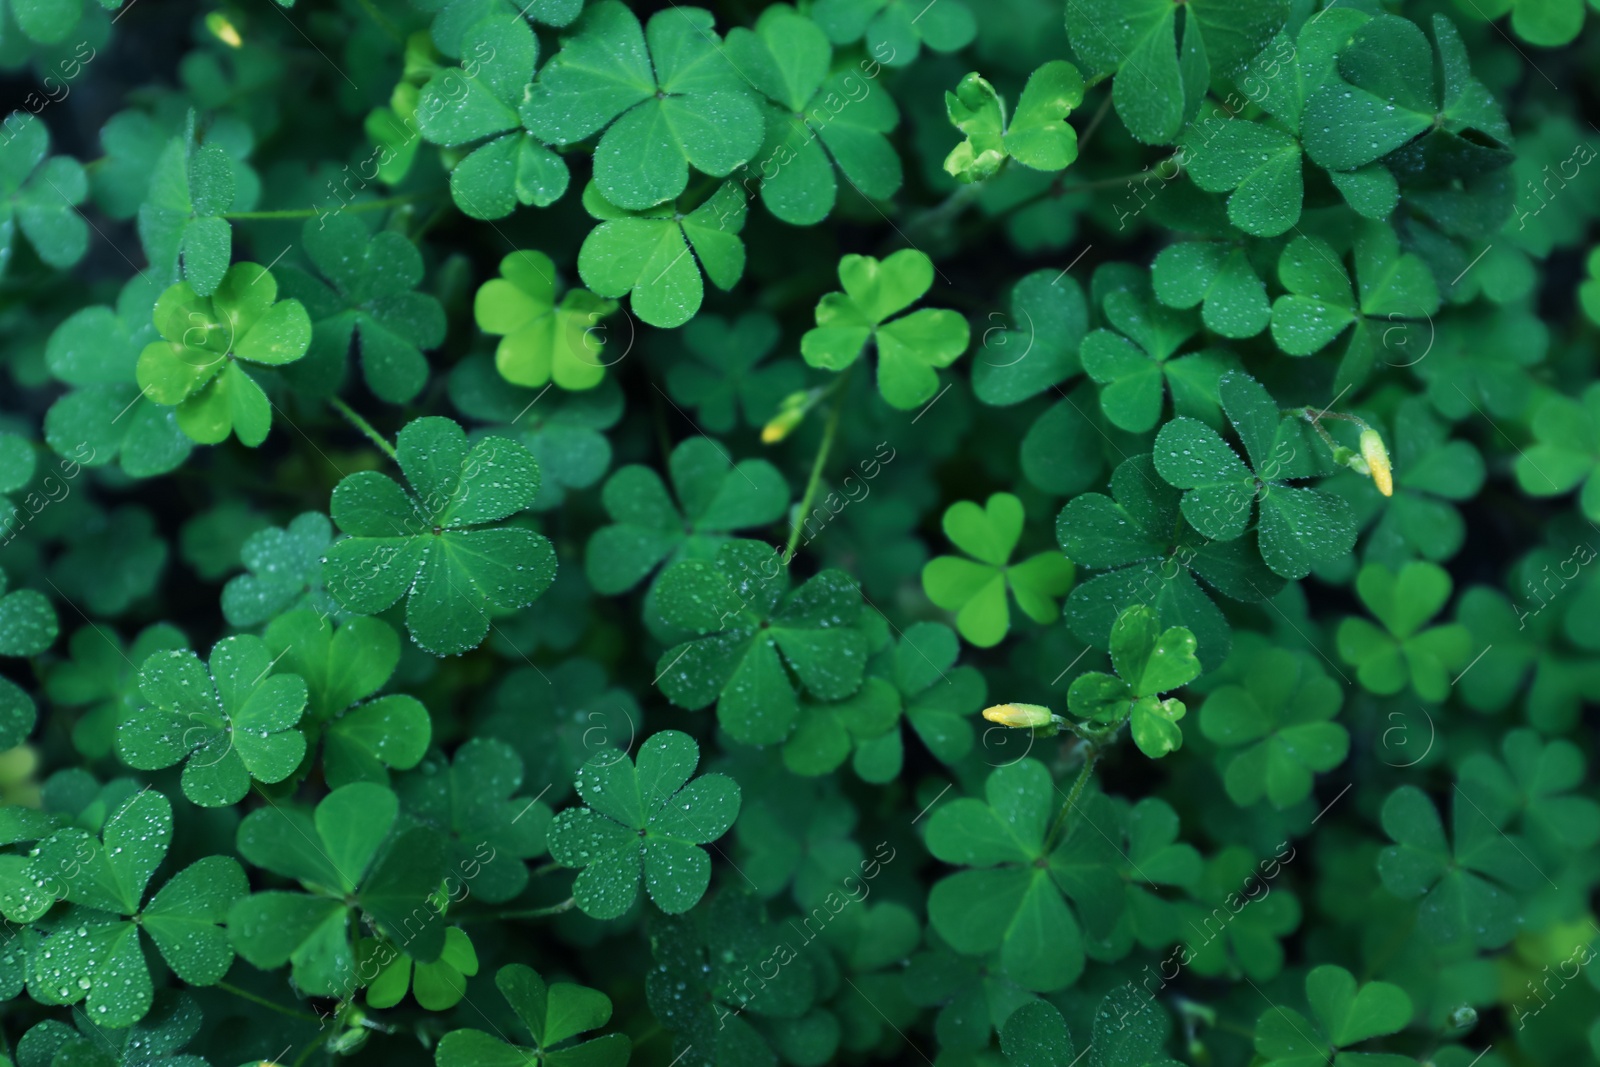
(1377, 458)
(1019, 715)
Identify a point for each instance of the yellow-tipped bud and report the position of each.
(1019, 715)
(224, 30)
(791, 413)
(1377, 459)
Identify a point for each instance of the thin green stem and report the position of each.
(309, 1049)
(245, 994)
(812, 483)
(364, 426)
(311, 212)
(528, 913)
(1073, 797)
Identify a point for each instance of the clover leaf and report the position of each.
(665, 96)
(471, 802)
(1239, 928)
(540, 338)
(722, 377)
(485, 100)
(107, 414)
(1219, 276)
(827, 731)
(1403, 653)
(553, 1015)
(794, 832)
(1277, 718)
(438, 986)
(975, 589)
(1037, 136)
(910, 348)
(181, 220)
(93, 953)
(1037, 346)
(1535, 781)
(102, 677)
(1035, 1035)
(434, 545)
(40, 196)
(714, 498)
(1013, 896)
(1149, 661)
(284, 565)
(1345, 1015)
(646, 820)
(28, 623)
(897, 27)
(229, 726)
(1566, 450)
(757, 642)
(207, 341)
(788, 58)
(154, 1041)
(116, 559)
(1298, 528)
(368, 300)
(646, 253)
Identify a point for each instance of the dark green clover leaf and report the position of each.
(434, 545)
(542, 339)
(1133, 363)
(154, 1041)
(1152, 556)
(558, 717)
(794, 831)
(1277, 717)
(1014, 897)
(438, 986)
(1130, 1029)
(1392, 291)
(788, 58)
(207, 342)
(827, 731)
(27, 621)
(715, 498)
(369, 299)
(1239, 919)
(910, 348)
(455, 17)
(353, 859)
(757, 642)
(1535, 782)
(1566, 450)
(646, 821)
(116, 560)
(1298, 528)
(647, 252)
(284, 565)
(1222, 278)
(1345, 1015)
(1037, 136)
(96, 350)
(1403, 653)
(485, 100)
(232, 725)
(1257, 163)
(975, 589)
(1035, 1035)
(1152, 857)
(1161, 77)
(93, 954)
(102, 678)
(895, 30)
(553, 1015)
(363, 739)
(488, 830)
(1149, 661)
(973, 996)
(721, 378)
(666, 97)
(180, 222)
(1036, 347)
(937, 697)
(40, 196)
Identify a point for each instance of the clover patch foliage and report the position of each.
(585, 532)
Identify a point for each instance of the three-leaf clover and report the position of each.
(1036, 347)
(756, 641)
(910, 348)
(1277, 715)
(1037, 136)
(1566, 450)
(541, 338)
(438, 986)
(1149, 661)
(154, 1041)
(1345, 1015)
(284, 565)
(552, 1015)
(102, 677)
(181, 219)
(788, 58)
(1218, 276)
(1536, 782)
(646, 820)
(369, 299)
(936, 696)
(722, 377)
(229, 725)
(207, 341)
(975, 589)
(40, 196)
(665, 96)
(1298, 528)
(894, 31)
(93, 953)
(434, 545)
(1403, 653)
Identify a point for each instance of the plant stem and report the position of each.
(309, 1049)
(812, 483)
(364, 426)
(1072, 798)
(245, 994)
(529, 913)
(311, 212)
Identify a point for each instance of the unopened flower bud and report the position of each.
(1019, 715)
(1377, 459)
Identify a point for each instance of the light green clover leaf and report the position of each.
(438, 986)
(540, 338)
(1037, 136)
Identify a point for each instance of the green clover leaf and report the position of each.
(1149, 661)
(284, 565)
(435, 545)
(40, 196)
(541, 339)
(368, 300)
(553, 1015)
(230, 726)
(756, 642)
(1346, 1015)
(1037, 346)
(722, 378)
(1239, 918)
(794, 832)
(181, 220)
(154, 1041)
(975, 589)
(894, 31)
(937, 699)
(1219, 276)
(1035, 1035)
(1566, 450)
(115, 561)
(207, 341)
(788, 58)
(28, 623)
(1037, 136)
(1535, 782)
(438, 986)
(665, 96)
(644, 821)
(910, 348)
(102, 678)
(1403, 653)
